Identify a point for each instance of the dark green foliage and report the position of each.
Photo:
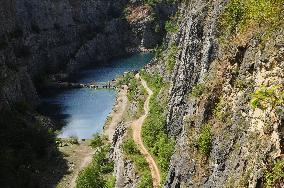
(204, 140)
(130, 148)
(95, 175)
(26, 147)
(153, 131)
(97, 141)
(145, 181)
(197, 90)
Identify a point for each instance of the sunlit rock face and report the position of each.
(212, 84)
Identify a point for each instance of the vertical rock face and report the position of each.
(124, 169)
(212, 85)
(197, 44)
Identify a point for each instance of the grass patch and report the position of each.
(99, 173)
(204, 140)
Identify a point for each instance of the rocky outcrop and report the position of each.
(123, 169)
(197, 42)
(148, 22)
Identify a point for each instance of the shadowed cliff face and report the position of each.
(42, 37)
(38, 38)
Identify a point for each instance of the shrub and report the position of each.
(265, 97)
(110, 183)
(130, 148)
(275, 176)
(204, 140)
(97, 174)
(96, 141)
(198, 90)
(239, 15)
(145, 181)
(90, 178)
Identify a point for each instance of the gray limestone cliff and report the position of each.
(212, 88)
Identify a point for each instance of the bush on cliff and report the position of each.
(98, 173)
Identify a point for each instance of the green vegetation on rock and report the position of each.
(99, 173)
(204, 140)
(171, 57)
(265, 97)
(197, 90)
(153, 131)
(239, 15)
(132, 152)
(275, 175)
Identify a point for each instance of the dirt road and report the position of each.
(137, 131)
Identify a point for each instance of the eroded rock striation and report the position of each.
(213, 84)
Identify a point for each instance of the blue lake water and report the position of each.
(84, 111)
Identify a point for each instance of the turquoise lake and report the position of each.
(84, 111)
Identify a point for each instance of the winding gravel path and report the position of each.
(137, 136)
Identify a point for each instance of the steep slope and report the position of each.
(43, 40)
(225, 63)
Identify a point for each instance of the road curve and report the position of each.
(137, 136)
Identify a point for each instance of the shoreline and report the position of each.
(79, 155)
(116, 115)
